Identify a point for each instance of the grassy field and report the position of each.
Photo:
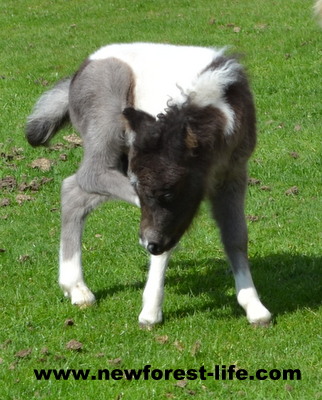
(43, 41)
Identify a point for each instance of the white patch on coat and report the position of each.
(167, 75)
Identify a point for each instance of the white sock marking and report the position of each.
(248, 298)
(72, 282)
(154, 290)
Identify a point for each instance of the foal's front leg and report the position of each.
(151, 313)
(228, 210)
(76, 204)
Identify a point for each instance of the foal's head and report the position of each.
(169, 162)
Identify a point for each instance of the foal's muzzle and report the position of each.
(154, 248)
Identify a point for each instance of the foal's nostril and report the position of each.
(153, 248)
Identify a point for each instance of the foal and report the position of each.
(163, 127)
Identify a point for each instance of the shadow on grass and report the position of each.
(285, 283)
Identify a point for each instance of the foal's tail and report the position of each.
(49, 114)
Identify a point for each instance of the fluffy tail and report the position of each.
(49, 114)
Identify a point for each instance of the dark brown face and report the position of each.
(168, 164)
(169, 200)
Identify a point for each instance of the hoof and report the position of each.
(80, 296)
(258, 315)
(147, 320)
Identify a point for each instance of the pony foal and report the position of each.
(163, 127)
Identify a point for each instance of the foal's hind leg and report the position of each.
(76, 204)
(228, 210)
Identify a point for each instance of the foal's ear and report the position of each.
(204, 127)
(191, 139)
(137, 119)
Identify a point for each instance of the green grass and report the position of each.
(43, 41)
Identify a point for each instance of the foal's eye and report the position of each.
(166, 198)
